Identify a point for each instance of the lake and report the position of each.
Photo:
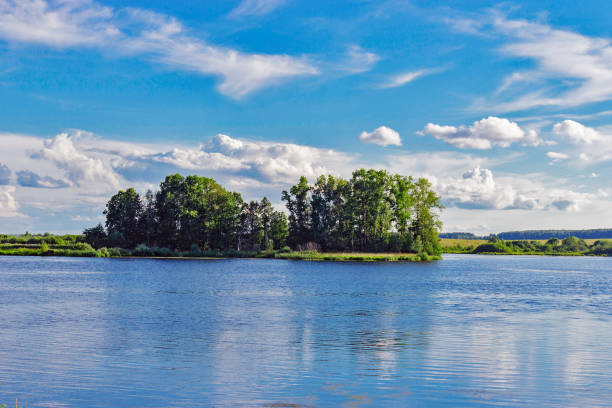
(466, 331)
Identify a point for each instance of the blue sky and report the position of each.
(505, 107)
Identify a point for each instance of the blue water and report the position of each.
(465, 331)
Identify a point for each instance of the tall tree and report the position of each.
(279, 229)
(426, 222)
(327, 203)
(370, 207)
(96, 236)
(122, 212)
(265, 212)
(149, 221)
(251, 228)
(299, 206)
(169, 202)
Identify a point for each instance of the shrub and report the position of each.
(114, 252)
(493, 247)
(195, 250)
(83, 246)
(142, 250)
(309, 246)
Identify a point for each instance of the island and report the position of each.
(373, 216)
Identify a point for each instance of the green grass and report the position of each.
(354, 256)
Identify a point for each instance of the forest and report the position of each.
(373, 211)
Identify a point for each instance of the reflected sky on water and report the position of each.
(465, 331)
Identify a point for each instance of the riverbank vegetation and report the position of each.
(552, 246)
(75, 245)
(47, 245)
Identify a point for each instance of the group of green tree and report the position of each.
(374, 211)
(189, 212)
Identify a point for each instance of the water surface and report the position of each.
(465, 331)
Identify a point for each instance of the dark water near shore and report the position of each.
(465, 331)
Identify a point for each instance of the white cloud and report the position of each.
(435, 165)
(256, 7)
(56, 23)
(406, 77)
(8, 204)
(577, 132)
(383, 136)
(556, 156)
(27, 178)
(137, 32)
(571, 69)
(79, 167)
(280, 162)
(258, 168)
(592, 145)
(477, 189)
(483, 134)
(5, 175)
(358, 60)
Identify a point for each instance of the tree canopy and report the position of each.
(374, 211)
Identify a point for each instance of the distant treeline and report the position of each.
(374, 211)
(604, 233)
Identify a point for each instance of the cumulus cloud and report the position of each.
(27, 178)
(137, 32)
(477, 189)
(257, 168)
(571, 69)
(8, 205)
(79, 167)
(225, 156)
(577, 133)
(382, 136)
(483, 134)
(278, 161)
(5, 175)
(592, 145)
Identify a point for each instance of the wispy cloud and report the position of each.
(137, 32)
(559, 55)
(357, 60)
(256, 7)
(404, 78)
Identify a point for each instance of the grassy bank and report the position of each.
(553, 247)
(355, 256)
(73, 245)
